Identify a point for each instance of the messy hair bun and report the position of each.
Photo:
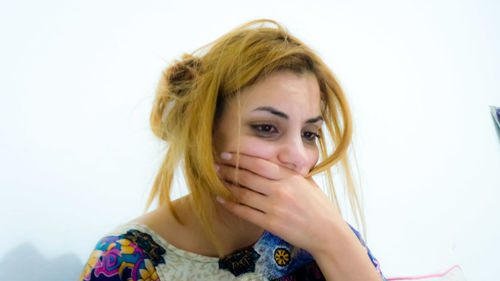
(182, 73)
(175, 84)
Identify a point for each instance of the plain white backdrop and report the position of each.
(77, 157)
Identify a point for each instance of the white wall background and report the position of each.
(77, 157)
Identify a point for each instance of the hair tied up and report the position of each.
(182, 73)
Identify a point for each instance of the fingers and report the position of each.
(254, 164)
(245, 212)
(244, 178)
(248, 188)
(249, 197)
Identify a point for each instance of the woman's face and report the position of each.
(280, 120)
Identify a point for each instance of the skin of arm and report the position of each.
(296, 209)
(345, 258)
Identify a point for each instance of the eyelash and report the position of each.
(259, 128)
(313, 137)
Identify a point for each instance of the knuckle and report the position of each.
(282, 193)
(277, 193)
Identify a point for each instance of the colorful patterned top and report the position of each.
(135, 252)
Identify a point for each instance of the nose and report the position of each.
(293, 155)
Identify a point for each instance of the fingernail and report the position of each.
(218, 198)
(225, 155)
(216, 167)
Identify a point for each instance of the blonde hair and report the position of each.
(191, 94)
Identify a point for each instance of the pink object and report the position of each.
(437, 275)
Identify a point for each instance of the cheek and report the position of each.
(314, 157)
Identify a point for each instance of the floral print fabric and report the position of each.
(131, 256)
(135, 252)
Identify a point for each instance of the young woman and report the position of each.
(247, 118)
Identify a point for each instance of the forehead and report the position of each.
(293, 93)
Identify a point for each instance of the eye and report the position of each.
(264, 129)
(310, 136)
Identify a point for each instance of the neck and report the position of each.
(233, 232)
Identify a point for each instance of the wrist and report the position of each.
(335, 240)
(343, 257)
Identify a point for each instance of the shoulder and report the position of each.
(130, 255)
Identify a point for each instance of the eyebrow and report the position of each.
(283, 115)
